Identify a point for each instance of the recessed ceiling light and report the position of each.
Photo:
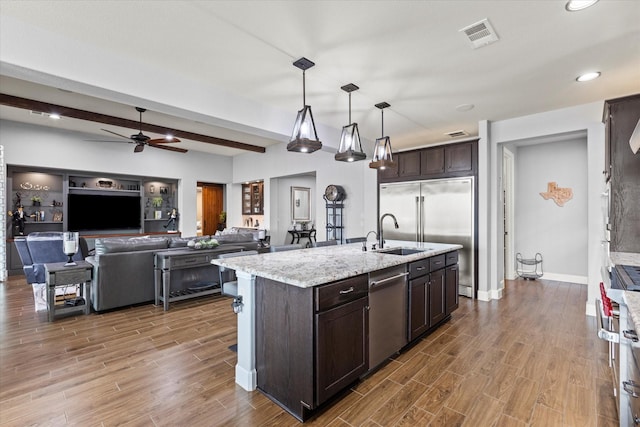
(575, 5)
(465, 107)
(588, 76)
(54, 116)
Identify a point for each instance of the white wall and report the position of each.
(586, 117)
(559, 234)
(46, 147)
(358, 180)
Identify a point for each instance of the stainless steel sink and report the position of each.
(401, 251)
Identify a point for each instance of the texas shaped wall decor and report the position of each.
(559, 195)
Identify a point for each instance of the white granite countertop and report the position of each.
(315, 266)
(625, 258)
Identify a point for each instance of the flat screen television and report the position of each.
(103, 212)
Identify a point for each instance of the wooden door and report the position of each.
(418, 307)
(436, 297)
(212, 206)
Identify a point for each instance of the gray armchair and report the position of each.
(37, 249)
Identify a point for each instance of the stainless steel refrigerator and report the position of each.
(439, 211)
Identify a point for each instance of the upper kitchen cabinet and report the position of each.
(253, 198)
(622, 169)
(444, 161)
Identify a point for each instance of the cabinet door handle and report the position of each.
(346, 291)
(629, 387)
(630, 334)
(420, 268)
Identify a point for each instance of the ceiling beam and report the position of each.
(45, 107)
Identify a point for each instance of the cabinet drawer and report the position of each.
(341, 292)
(436, 262)
(70, 277)
(451, 258)
(190, 260)
(419, 268)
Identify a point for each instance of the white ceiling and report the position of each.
(172, 57)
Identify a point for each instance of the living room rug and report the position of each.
(40, 294)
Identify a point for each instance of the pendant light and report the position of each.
(350, 149)
(382, 157)
(304, 138)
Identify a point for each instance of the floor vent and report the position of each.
(480, 34)
(457, 134)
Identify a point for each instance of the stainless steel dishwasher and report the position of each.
(387, 313)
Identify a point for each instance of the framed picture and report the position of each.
(300, 209)
(57, 216)
(164, 190)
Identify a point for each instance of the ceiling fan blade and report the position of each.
(114, 133)
(163, 140)
(108, 140)
(167, 147)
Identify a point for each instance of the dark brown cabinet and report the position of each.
(310, 342)
(409, 164)
(253, 198)
(342, 347)
(451, 277)
(444, 161)
(433, 292)
(418, 303)
(622, 168)
(432, 160)
(436, 297)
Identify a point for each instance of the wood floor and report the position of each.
(529, 359)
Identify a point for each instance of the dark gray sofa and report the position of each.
(123, 268)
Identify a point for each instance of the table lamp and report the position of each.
(70, 246)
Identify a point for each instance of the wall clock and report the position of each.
(334, 193)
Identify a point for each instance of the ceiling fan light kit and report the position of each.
(350, 149)
(382, 155)
(304, 138)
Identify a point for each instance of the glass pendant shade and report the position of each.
(350, 149)
(382, 156)
(304, 138)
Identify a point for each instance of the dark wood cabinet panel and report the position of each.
(621, 117)
(432, 161)
(306, 354)
(451, 277)
(409, 164)
(443, 161)
(459, 157)
(436, 297)
(342, 347)
(418, 307)
(284, 344)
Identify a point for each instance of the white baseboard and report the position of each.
(590, 309)
(582, 280)
(490, 294)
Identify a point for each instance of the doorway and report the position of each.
(210, 206)
(508, 213)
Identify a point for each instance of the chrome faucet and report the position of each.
(380, 236)
(364, 244)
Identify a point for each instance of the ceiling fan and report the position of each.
(141, 139)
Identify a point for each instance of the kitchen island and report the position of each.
(294, 301)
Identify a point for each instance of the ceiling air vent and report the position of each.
(456, 134)
(480, 34)
(36, 113)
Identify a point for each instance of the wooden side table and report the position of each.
(58, 276)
